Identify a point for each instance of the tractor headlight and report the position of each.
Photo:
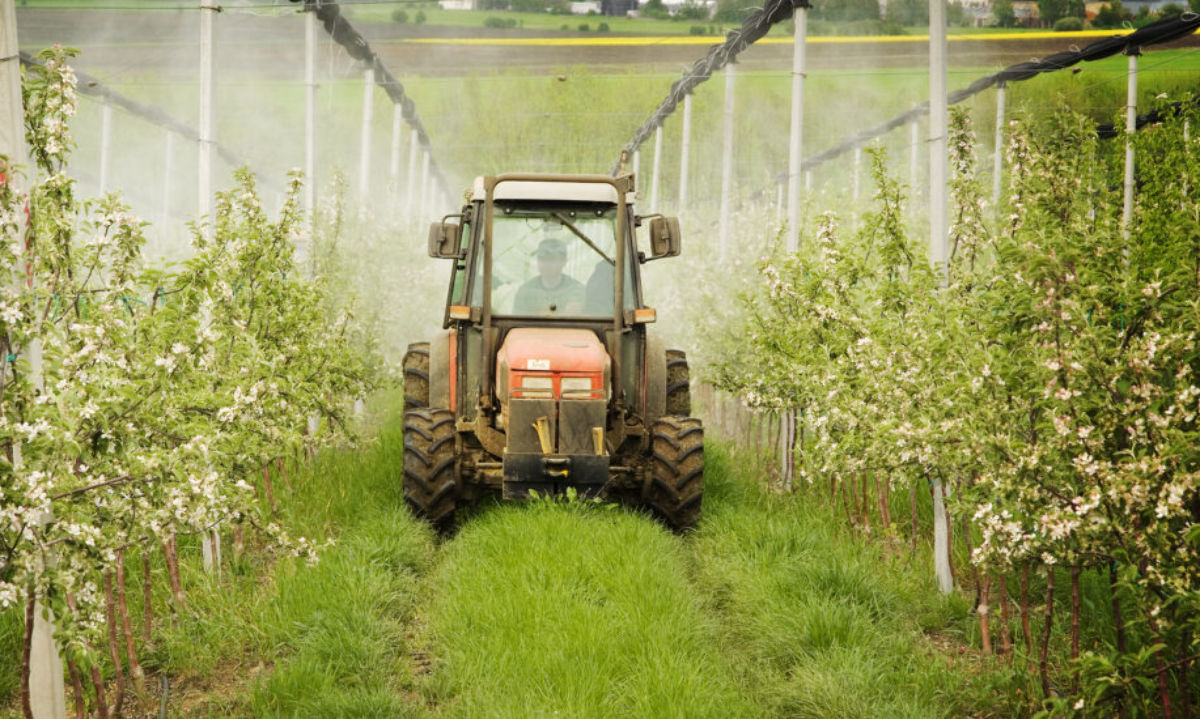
(534, 387)
(575, 384)
(536, 382)
(580, 388)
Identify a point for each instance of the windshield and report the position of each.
(553, 261)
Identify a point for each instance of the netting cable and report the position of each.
(344, 34)
(92, 87)
(755, 27)
(774, 11)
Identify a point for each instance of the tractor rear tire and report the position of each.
(431, 482)
(416, 376)
(679, 393)
(674, 486)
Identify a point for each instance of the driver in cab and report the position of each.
(551, 292)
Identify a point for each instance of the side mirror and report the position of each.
(445, 240)
(664, 237)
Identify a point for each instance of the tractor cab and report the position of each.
(546, 364)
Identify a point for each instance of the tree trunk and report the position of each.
(1074, 629)
(114, 647)
(1118, 620)
(980, 586)
(984, 607)
(912, 505)
(1005, 637)
(885, 505)
(266, 475)
(76, 688)
(1025, 615)
(866, 506)
(1185, 689)
(239, 540)
(283, 471)
(847, 500)
(27, 647)
(147, 597)
(101, 697)
(135, 669)
(1043, 658)
(1164, 694)
(777, 444)
(949, 533)
(179, 600)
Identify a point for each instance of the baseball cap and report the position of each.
(551, 247)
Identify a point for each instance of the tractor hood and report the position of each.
(554, 353)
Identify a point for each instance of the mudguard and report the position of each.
(656, 378)
(440, 347)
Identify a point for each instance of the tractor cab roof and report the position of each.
(552, 189)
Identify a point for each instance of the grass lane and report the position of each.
(576, 610)
(817, 622)
(285, 639)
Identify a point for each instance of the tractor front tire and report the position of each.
(416, 376)
(679, 393)
(674, 486)
(431, 482)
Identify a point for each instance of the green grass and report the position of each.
(551, 610)
(325, 640)
(819, 622)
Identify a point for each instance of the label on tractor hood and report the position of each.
(552, 349)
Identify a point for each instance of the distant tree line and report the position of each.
(1071, 15)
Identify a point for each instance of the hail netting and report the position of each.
(89, 85)
(1155, 33)
(344, 34)
(717, 57)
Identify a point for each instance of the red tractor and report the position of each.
(546, 375)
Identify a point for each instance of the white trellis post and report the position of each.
(208, 13)
(857, 181)
(998, 150)
(778, 201)
(685, 152)
(914, 159)
(168, 170)
(938, 222)
(364, 155)
(397, 146)
(637, 163)
(409, 192)
(654, 175)
(1130, 130)
(210, 551)
(105, 143)
(208, 133)
(795, 138)
(310, 115)
(424, 206)
(727, 161)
